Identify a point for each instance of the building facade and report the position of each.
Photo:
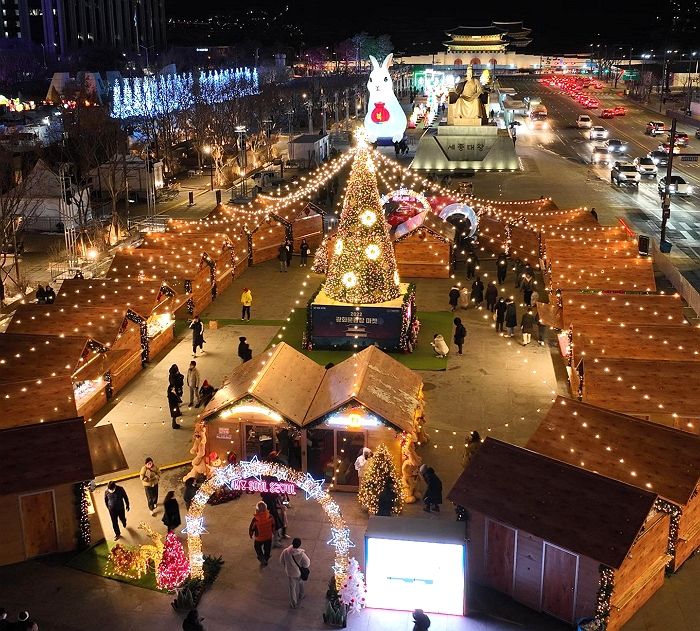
(63, 26)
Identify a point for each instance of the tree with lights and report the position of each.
(380, 487)
(174, 568)
(352, 592)
(362, 268)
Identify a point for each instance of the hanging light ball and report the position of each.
(372, 251)
(368, 218)
(349, 279)
(338, 246)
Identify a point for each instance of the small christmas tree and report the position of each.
(353, 591)
(380, 487)
(174, 567)
(320, 264)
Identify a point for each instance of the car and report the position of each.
(615, 145)
(584, 121)
(624, 173)
(607, 113)
(592, 104)
(655, 128)
(659, 158)
(646, 167)
(681, 138)
(598, 133)
(620, 111)
(676, 186)
(666, 148)
(600, 155)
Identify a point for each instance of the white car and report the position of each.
(600, 155)
(598, 133)
(624, 173)
(646, 167)
(584, 121)
(677, 186)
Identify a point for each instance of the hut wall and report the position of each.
(159, 342)
(266, 242)
(377, 435)
(309, 228)
(492, 235)
(12, 543)
(641, 573)
(524, 245)
(423, 258)
(90, 406)
(689, 530)
(130, 365)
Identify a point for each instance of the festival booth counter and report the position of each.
(560, 539)
(423, 246)
(317, 420)
(645, 455)
(149, 301)
(664, 392)
(115, 328)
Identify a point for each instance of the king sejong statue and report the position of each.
(465, 107)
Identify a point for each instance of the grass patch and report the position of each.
(236, 322)
(94, 561)
(423, 358)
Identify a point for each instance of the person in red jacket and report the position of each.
(261, 528)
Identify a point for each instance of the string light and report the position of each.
(379, 477)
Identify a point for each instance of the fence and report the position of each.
(679, 282)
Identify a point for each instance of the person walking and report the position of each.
(491, 296)
(527, 325)
(246, 302)
(472, 263)
(150, 476)
(50, 295)
(501, 267)
(282, 256)
(541, 329)
(190, 491)
(174, 406)
(197, 335)
(206, 394)
(192, 621)
(261, 528)
(296, 566)
(117, 502)
(421, 622)
(454, 297)
(594, 213)
(460, 334)
(477, 295)
(289, 247)
(433, 492)
(171, 511)
(500, 314)
(244, 351)
(176, 380)
(527, 287)
(304, 250)
(473, 443)
(40, 295)
(511, 317)
(194, 380)
(518, 272)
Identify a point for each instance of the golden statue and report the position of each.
(465, 106)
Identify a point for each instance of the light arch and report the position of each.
(462, 209)
(254, 468)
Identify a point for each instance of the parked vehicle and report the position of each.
(646, 167)
(624, 173)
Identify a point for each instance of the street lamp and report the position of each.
(242, 157)
(207, 150)
(268, 134)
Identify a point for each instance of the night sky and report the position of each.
(556, 26)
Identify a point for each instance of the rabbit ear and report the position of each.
(387, 61)
(375, 63)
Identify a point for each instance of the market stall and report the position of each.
(423, 246)
(560, 539)
(630, 450)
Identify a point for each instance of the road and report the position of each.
(641, 207)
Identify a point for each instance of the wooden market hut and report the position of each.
(556, 537)
(643, 454)
(664, 392)
(593, 272)
(424, 246)
(265, 239)
(112, 327)
(317, 419)
(306, 222)
(152, 301)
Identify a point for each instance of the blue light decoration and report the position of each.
(141, 97)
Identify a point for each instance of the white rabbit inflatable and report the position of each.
(385, 117)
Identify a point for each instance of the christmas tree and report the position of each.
(320, 264)
(174, 567)
(353, 591)
(362, 268)
(380, 487)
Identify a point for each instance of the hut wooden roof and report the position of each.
(178, 243)
(629, 274)
(375, 380)
(282, 379)
(427, 220)
(562, 252)
(154, 264)
(100, 323)
(28, 403)
(646, 455)
(575, 234)
(665, 342)
(44, 456)
(636, 386)
(570, 507)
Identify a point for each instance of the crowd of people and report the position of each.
(200, 390)
(285, 253)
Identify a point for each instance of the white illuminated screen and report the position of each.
(406, 575)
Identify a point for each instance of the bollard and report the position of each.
(191, 194)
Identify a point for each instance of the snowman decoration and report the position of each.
(385, 117)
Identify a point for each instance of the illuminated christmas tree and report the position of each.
(320, 264)
(353, 590)
(174, 567)
(362, 268)
(380, 487)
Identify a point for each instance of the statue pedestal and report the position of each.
(453, 120)
(466, 148)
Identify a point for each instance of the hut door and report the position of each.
(500, 556)
(38, 524)
(559, 582)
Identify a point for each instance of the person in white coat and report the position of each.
(293, 559)
(361, 461)
(440, 346)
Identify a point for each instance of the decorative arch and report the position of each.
(493, 62)
(458, 62)
(475, 61)
(462, 209)
(407, 193)
(232, 475)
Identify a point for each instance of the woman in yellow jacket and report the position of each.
(246, 302)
